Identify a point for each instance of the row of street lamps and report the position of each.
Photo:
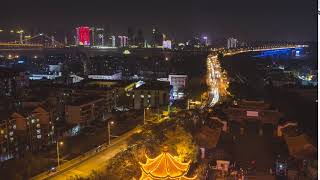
(109, 124)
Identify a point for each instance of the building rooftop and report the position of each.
(81, 100)
(8, 72)
(155, 85)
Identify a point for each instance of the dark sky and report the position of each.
(244, 19)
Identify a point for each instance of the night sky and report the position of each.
(290, 20)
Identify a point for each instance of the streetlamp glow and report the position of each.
(58, 151)
(110, 123)
(144, 114)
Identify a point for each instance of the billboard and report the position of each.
(83, 36)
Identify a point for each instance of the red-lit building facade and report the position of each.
(83, 35)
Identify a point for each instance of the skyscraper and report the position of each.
(231, 43)
(140, 39)
(131, 38)
(157, 38)
(83, 36)
(93, 38)
(113, 39)
(123, 41)
(100, 35)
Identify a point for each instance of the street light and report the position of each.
(58, 153)
(110, 123)
(144, 115)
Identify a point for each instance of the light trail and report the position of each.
(213, 79)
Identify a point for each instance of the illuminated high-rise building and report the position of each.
(97, 36)
(123, 41)
(231, 43)
(166, 44)
(100, 35)
(83, 36)
(113, 41)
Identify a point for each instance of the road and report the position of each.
(92, 160)
(216, 80)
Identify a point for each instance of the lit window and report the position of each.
(2, 131)
(38, 125)
(11, 133)
(32, 121)
(39, 136)
(11, 139)
(14, 126)
(38, 131)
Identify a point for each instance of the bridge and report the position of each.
(276, 52)
(214, 70)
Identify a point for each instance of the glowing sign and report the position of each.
(252, 113)
(83, 36)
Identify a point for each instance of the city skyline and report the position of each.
(285, 20)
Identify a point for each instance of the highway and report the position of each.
(216, 80)
(212, 81)
(92, 160)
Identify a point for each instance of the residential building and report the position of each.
(12, 82)
(8, 139)
(85, 109)
(178, 83)
(151, 94)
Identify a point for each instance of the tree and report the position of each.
(181, 142)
